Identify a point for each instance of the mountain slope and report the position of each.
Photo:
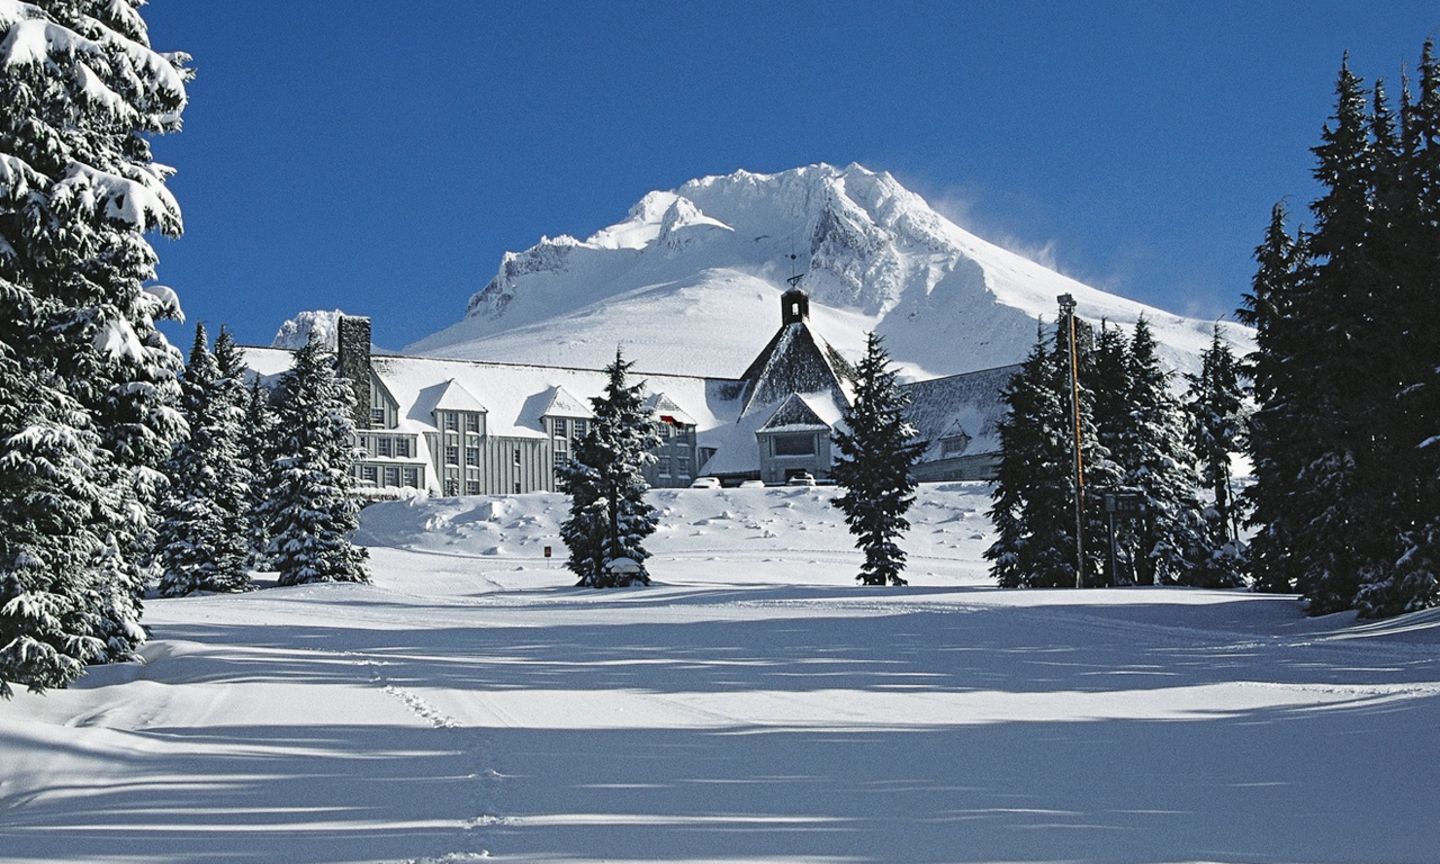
(690, 282)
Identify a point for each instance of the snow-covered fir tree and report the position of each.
(877, 453)
(1155, 461)
(49, 584)
(1215, 403)
(310, 509)
(201, 536)
(256, 428)
(1410, 248)
(609, 517)
(81, 92)
(1274, 439)
(1033, 506)
(234, 479)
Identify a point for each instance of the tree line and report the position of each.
(1337, 408)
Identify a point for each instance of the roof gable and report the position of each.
(454, 397)
(793, 415)
(795, 361)
(562, 403)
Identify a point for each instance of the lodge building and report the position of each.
(464, 427)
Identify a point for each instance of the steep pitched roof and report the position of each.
(794, 361)
(971, 403)
(663, 407)
(454, 397)
(562, 403)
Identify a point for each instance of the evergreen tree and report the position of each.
(1274, 438)
(234, 479)
(878, 453)
(1156, 461)
(1033, 505)
(256, 428)
(79, 98)
(1335, 540)
(201, 538)
(609, 517)
(1412, 248)
(49, 500)
(309, 508)
(1216, 409)
(1112, 384)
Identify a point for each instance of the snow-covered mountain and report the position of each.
(690, 282)
(322, 324)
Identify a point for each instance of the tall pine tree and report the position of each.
(1217, 416)
(877, 455)
(309, 507)
(609, 516)
(81, 92)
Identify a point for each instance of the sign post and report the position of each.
(1124, 504)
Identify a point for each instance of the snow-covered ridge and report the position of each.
(690, 279)
(323, 324)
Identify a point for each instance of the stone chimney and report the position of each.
(794, 307)
(352, 349)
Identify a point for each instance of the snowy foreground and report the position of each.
(752, 706)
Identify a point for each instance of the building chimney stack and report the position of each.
(352, 350)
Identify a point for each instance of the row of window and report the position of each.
(472, 487)
(472, 456)
(569, 428)
(391, 475)
(452, 421)
(399, 446)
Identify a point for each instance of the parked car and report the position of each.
(804, 478)
(706, 483)
(752, 484)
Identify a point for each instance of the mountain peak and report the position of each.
(688, 281)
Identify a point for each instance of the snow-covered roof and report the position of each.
(970, 403)
(662, 407)
(517, 396)
(795, 361)
(562, 403)
(454, 397)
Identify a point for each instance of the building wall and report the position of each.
(676, 459)
(777, 468)
(976, 466)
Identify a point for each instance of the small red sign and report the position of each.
(547, 551)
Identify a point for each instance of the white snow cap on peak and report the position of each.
(692, 276)
(295, 333)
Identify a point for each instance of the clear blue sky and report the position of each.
(380, 157)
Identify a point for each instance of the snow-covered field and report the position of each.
(753, 705)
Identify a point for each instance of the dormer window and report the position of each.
(954, 445)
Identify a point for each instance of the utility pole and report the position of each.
(1067, 309)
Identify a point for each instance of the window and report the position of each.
(452, 455)
(472, 422)
(517, 457)
(954, 445)
(412, 478)
(795, 445)
(382, 445)
(664, 464)
(452, 421)
(579, 429)
(682, 469)
(402, 448)
(472, 487)
(562, 445)
(452, 486)
(560, 427)
(377, 417)
(517, 487)
(392, 476)
(369, 473)
(472, 456)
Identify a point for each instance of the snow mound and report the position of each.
(691, 280)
